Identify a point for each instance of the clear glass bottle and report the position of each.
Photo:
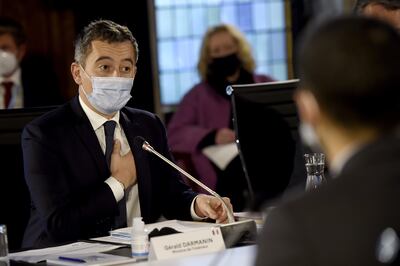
(139, 240)
(315, 165)
(3, 245)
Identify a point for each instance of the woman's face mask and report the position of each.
(110, 94)
(8, 63)
(219, 69)
(223, 67)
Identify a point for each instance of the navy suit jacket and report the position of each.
(65, 170)
(341, 222)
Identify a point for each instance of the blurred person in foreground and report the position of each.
(349, 96)
(25, 80)
(386, 10)
(85, 169)
(204, 116)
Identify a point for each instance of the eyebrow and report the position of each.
(109, 58)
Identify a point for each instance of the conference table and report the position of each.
(242, 253)
(243, 256)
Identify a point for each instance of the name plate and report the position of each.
(186, 244)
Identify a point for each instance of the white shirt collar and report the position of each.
(95, 119)
(15, 77)
(337, 165)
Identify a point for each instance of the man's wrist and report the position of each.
(122, 184)
(193, 213)
(116, 186)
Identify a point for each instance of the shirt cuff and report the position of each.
(195, 217)
(116, 187)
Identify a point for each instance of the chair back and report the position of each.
(266, 122)
(14, 194)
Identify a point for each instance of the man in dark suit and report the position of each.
(349, 96)
(86, 171)
(25, 81)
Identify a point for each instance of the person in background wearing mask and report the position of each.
(204, 116)
(21, 83)
(386, 10)
(85, 169)
(353, 219)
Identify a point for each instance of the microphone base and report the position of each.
(240, 233)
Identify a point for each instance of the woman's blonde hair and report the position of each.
(244, 50)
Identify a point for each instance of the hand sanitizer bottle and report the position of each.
(139, 240)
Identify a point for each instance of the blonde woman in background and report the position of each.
(204, 117)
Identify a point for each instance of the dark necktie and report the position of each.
(109, 128)
(7, 92)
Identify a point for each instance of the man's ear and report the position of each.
(76, 73)
(307, 105)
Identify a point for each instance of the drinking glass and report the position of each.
(315, 164)
(3, 246)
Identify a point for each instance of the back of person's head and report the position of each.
(102, 30)
(388, 4)
(351, 65)
(244, 49)
(14, 28)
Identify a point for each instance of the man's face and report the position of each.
(380, 12)
(8, 44)
(106, 60)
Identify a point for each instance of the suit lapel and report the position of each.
(133, 129)
(89, 139)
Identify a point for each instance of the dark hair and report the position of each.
(15, 29)
(102, 30)
(351, 65)
(388, 4)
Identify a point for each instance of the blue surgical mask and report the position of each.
(110, 94)
(8, 63)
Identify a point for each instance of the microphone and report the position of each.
(147, 147)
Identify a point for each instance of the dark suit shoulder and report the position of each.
(322, 202)
(283, 240)
(353, 210)
(52, 123)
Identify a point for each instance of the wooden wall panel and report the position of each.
(50, 33)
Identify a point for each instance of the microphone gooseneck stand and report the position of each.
(147, 147)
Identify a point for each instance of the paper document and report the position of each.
(36, 255)
(123, 235)
(221, 155)
(113, 239)
(92, 259)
